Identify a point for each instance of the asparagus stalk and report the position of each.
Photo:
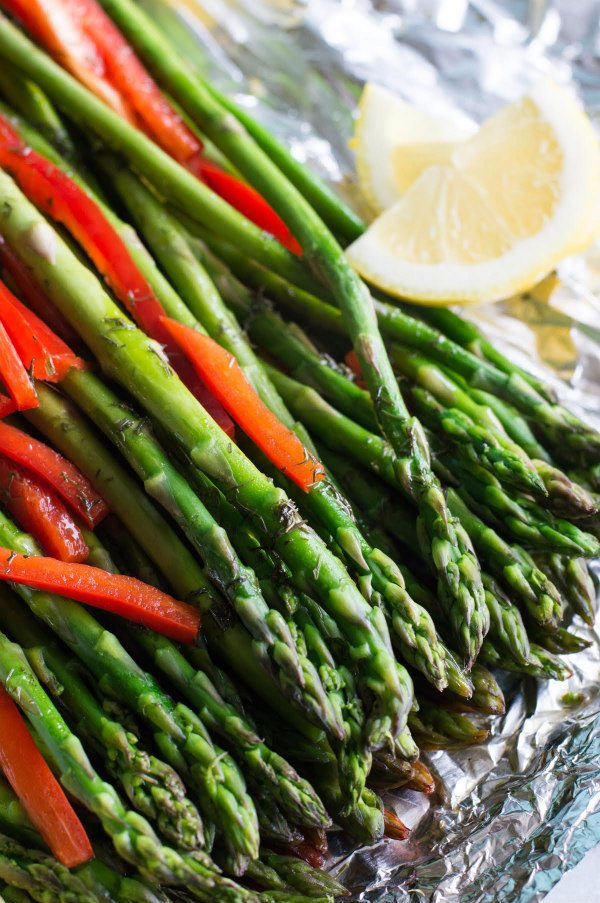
(214, 777)
(516, 426)
(300, 876)
(561, 641)
(131, 834)
(129, 356)
(568, 436)
(517, 516)
(464, 332)
(152, 786)
(438, 728)
(39, 876)
(146, 157)
(573, 578)
(295, 796)
(542, 663)
(101, 880)
(513, 567)
(131, 435)
(566, 497)
(29, 100)
(478, 444)
(345, 436)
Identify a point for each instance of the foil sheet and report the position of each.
(512, 815)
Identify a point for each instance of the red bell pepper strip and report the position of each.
(40, 794)
(7, 406)
(85, 40)
(33, 295)
(14, 375)
(54, 192)
(41, 513)
(224, 376)
(44, 355)
(53, 25)
(54, 470)
(121, 595)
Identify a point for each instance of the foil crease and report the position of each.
(513, 814)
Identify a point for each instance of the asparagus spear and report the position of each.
(98, 878)
(152, 786)
(131, 435)
(517, 516)
(437, 728)
(573, 578)
(40, 876)
(479, 445)
(513, 422)
(214, 777)
(128, 355)
(542, 664)
(464, 332)
(566, 497)
(346, 436)
(160, 169)
(513, 566)
(293, 794)
(300, 876)
(561, 641)
(30, 101)
(567, 434)
(131, 834)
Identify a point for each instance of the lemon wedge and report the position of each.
(499, 214)
(394, 141)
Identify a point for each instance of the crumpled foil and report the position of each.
(512, 815)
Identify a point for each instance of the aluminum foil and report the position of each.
(511, 815)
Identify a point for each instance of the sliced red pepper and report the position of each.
(41, 351)
(54, 470)
(7, 406)
(33, 295)
(121, 595)
(41, 513)
(14, 375)
(53, 25)
(54, 192)
(85, 40)
(224, 376)
(40, 794)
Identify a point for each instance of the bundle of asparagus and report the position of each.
(368, 435)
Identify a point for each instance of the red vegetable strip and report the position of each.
(33, 295)
(133, 81)
(54, 192)
(164, 124)
(14, 375)
(41, 513)
(52, 25)
(44, 355)
(54, 470)
(245, 199)
(7, 406)
(85, 40)
(38, 790)
(121, 595)
(223, 375)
